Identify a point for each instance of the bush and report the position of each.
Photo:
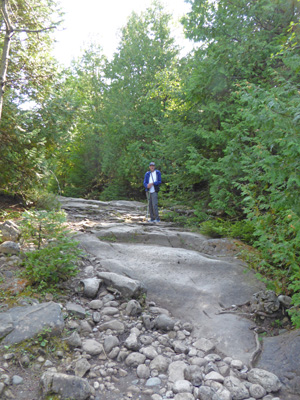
(218, 228)
(54, 254)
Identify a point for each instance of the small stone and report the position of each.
(114, 325)
(286, 301)
(132, 342)
(149, 352)
(237, 364)
(142, 371)
(82, 366)
(17, 380)
(194, 374)
(135, 359)
(205, 345)
(160, 363)
(110, 311)
(214, 376)
(25, 360)
(164, 322)
(92, 347)
(110, 342)
(74, 340)
(96, 317)
(153, 382)
(8, 356)
(156, 397)
(75, 309)
(96, 304)
(182, 386)
(48, 364)
(179, 347)
(85, 328)
(133, 308)
(257, 391)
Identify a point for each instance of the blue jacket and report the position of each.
(156, 183)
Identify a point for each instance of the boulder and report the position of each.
(10, 247)
(90, 287)
(92, 347)
(129, 288)
(9, 231)
(75, 309)
(29, 321)
(66, 386)
(237, 388)
(266, 379)
(164, 322)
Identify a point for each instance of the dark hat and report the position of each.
(152, 163)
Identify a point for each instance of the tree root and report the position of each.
(256, 352)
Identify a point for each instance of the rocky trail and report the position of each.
(155, 313)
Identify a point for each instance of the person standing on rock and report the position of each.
(152, 182)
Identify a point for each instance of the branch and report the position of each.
(256, 351)
(34, 30)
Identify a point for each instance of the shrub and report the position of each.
(54, 254)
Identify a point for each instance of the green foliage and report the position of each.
(218, 228)
(55, 254)
(30, 74)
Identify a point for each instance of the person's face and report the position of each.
(152, 168)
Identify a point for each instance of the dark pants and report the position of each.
(153, 205)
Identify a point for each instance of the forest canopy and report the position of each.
(222, 123)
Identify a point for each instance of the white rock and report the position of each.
(143, 372)
(95, 304)
(149, 352)
(257, 391)
(135, 359)
(82, 366)
(214, 376)
(92, 347)
(182, 386)
(176, 371)
(205, 345)
(237, 364)
(264, 378)
(160, 363)
(237, 388)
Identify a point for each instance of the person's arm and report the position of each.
(158, 178)
(146, 180)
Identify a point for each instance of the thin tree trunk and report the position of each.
(5, 53)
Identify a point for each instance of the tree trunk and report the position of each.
(5, 53)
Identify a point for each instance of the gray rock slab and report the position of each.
(281, 355)
(10, 247)
(192, 285)
(66, 386)
(83, 204)
(31, 320)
